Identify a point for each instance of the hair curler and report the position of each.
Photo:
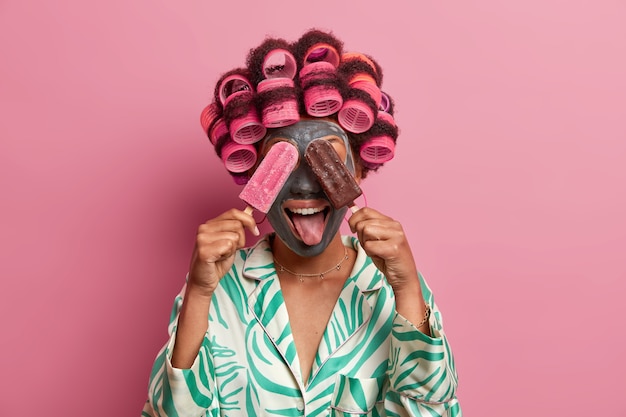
(232, 86)
(248, 128)
(283, 109)
(218, 130)
(321, 94)
(377, 150)
(279, 63)
(381, 147)
(240, 178)
(322, 52)
(367, 83)
(234, 91)
(238, 157)
(363, 97)
(356, 56)
(208, 116)
(355, 116)
(385, 103)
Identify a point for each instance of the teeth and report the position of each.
(305, 211)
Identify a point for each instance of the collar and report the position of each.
(259, 264)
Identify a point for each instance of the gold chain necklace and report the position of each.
(301, 277)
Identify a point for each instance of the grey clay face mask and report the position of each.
(302, 215)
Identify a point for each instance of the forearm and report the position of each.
(410, 304)
(191, 329)
(424, 368)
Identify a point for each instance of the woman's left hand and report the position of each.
(384, 241)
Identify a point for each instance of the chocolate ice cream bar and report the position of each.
(336, 180)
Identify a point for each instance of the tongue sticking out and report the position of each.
(310, 228)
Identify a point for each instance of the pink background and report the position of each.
(509, 180)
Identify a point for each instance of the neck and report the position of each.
(329, 258)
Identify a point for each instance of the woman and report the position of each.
(306, 321)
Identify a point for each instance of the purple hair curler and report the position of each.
(238, 157)
(240, 178)
(322, 52)
(385, 102)
(279, 113)
(279, 63)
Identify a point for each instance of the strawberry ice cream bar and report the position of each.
(269, 177)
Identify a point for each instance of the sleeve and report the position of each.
(422, 375)
(181, 392)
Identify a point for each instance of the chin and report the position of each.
(293, 242)
(301, 248)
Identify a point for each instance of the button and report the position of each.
(300, 405)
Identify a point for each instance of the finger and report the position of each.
(246, 218)
(217, 250)
(374, 229)
(215, 227)
(207, 239)
(365, 214)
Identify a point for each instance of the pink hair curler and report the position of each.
(321, 102)
(368, 84)
(349, 56)
(237, 157)
(232, 86)
(317, 71)
(248, 128)
(378, 150)
(386, 117)
(281, 113)
(324, 99)
(322, 52)
(355, 116)
(279, 63)
(218, 130)
(208, 116)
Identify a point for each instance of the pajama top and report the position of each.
(371, 361)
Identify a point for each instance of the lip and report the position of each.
(307, 203)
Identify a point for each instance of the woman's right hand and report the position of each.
(217, 241)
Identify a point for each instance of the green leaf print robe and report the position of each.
(370, 362)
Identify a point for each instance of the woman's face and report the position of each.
(302, 215)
